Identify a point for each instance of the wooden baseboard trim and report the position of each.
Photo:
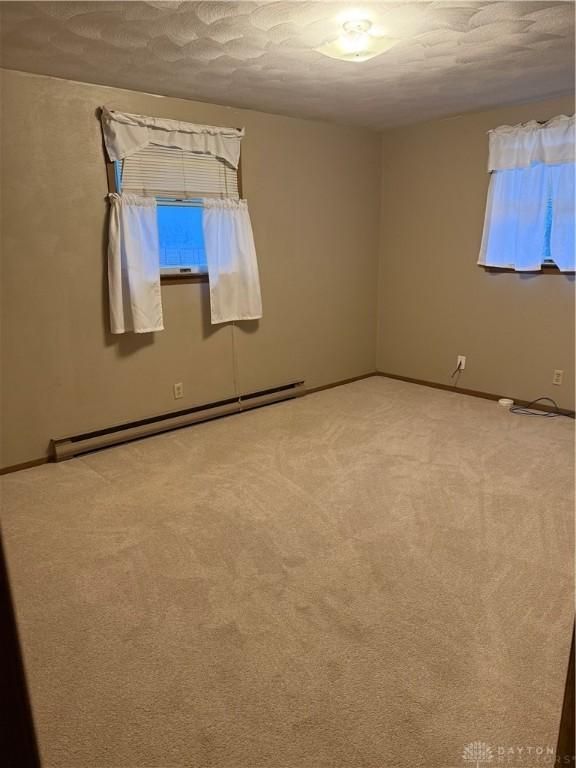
(341, 383)
(25, 465)
(49, 459)
(473, 393)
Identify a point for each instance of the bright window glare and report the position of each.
(181, 237)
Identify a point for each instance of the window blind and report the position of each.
(173, 172)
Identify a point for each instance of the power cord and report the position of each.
(235, 376)
(524, 410)
(457, 371)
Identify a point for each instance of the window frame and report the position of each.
(545, 269)
(169, 278)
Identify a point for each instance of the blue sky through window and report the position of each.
(181, 237)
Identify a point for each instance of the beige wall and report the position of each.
(314, 193)
(434, 301)
(313, 190)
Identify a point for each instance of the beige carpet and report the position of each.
(370, 577)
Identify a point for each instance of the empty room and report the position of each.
(287, 384)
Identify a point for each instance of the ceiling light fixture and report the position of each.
(359, 41)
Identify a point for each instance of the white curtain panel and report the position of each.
(562, 244)
(530, 207)
(515, 226)
(231, 259)
(125, 134)
(134, 265)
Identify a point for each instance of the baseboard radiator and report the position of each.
(74, 445)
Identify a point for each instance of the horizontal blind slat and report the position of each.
(162, 170)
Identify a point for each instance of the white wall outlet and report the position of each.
(461, 362)
(178, 391)
(557, 377)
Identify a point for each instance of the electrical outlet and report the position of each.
(178, 391)
(557, 377)
(461, 362)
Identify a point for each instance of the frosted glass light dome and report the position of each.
(358, 42)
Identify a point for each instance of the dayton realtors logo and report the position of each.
(478, 753)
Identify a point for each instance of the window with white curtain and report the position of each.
(175, 207)
(179, 180)
(529, 219)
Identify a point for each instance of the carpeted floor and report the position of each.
(369, 577)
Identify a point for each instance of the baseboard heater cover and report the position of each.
(74, 445)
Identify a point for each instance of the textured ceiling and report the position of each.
(453, 56)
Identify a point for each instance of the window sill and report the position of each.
(547, 269)
(175, 279)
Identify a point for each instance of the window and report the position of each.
(530, 209)
(528, 217)
(190, 173)
(181, 237)
(179, 180)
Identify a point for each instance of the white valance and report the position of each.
(520, 146)
(125, 134)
